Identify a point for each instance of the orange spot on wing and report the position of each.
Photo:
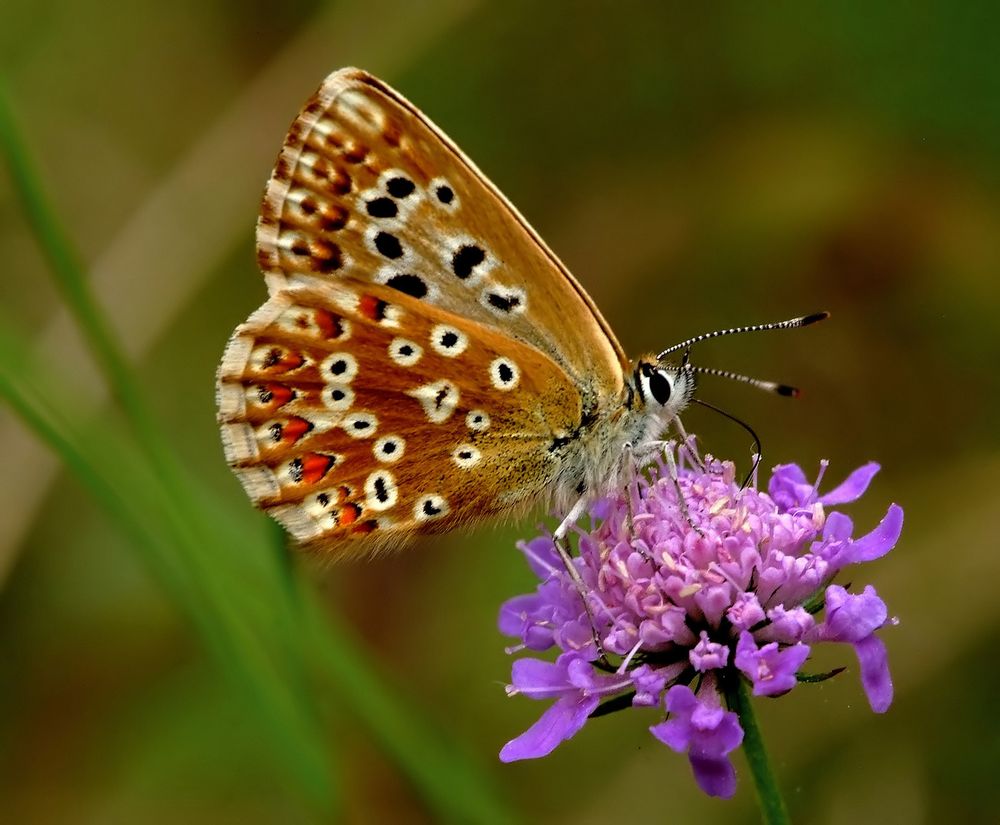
(328, 323)
(283, 360)
(280, 394)
(349, 514)
(315, 466)
(372, 308)
(294, 429)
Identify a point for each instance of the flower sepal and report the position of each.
(815, 678)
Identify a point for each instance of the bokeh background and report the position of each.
(695, 170)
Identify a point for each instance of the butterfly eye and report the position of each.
(660, 385)
(654, 383)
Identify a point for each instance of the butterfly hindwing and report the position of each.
(351, 410)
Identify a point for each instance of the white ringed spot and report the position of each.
(381, 491)
(477, 420)
(360, 425)
(275, 358)
(399, 186)
(429, 507)
(292, 471)
(504, 301)
(448, 341)
(404, 352)
(466, 456)
(299, 320)
(442, 194)
(375, 204)
(409, 283)
(321, 504)
(341, 367)
(438, 398)
(389, 449)
(467, 259)
(338, 397)
(387, 246)
(504, 374)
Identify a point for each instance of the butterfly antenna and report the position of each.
(756, 440)
(767, 386)
(791, 323)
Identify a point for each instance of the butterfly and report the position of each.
(423, 360)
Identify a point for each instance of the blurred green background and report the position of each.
(160, 660)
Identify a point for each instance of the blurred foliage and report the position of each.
(695, 169)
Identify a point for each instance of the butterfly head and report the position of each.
(664, 387)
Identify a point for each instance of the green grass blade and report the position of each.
(220, 569)
(234, 626)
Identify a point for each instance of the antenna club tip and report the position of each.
(816, 316)
(790, 392)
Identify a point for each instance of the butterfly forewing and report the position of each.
(422, 355)
(366, 186)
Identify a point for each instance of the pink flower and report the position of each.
(680, 609)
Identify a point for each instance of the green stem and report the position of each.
(772, 805)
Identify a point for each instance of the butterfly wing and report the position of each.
(352, 411)
(367, 187)
(423, 358)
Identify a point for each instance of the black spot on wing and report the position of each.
(466, 259)
(400, 187)
(410, 284)
(382, 208)
(388, 245)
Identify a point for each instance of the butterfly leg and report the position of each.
(559, 538)
(632, 490)
(628, 463)
(689, 443)
(674, 477)
(668, 454)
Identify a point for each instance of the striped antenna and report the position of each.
(767, 386)
(791, 323)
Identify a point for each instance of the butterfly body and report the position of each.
(423, 360)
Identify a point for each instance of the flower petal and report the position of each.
(707, 732)
(745, 612)
(538, 679)
(559, 722)
(838, 527)
(850, 617)
(880, 540)
(875, 676)
(716, 776)
(542, 556)
(708, 655)
(853, 487)
(771, 669)
(788, 487)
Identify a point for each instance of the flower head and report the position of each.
(679, 606)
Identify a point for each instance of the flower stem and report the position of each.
(772, 804)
